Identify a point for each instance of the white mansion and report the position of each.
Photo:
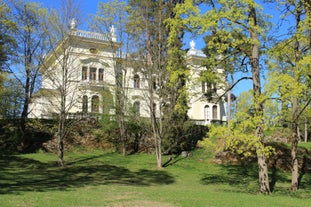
(91, 79)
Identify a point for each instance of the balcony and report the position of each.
(92, 35)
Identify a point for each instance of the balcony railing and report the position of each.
(91, 35)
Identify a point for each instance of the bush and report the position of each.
(182, 137)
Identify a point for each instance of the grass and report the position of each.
(96, 178)
(306, 145)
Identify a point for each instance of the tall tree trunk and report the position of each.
(60, 136)
(229, 106)
(254, 59)
(294, 154)
(120, 104)
(121, 121)
(229, 100)
(306, 130)
(63, 111)
(24, 114)
(307, 5)
(157, 138)
(123, 136)
(61, 123)
(295, 137)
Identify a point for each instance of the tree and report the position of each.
(31, 35)
(151, 21)
(178, 73)
(289, 76)
(114, 14)
(59, 68)
(146, 28)
(11, 99)
(7, 41)
(240, 23)
(7, 44)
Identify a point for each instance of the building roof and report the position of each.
(195, 52)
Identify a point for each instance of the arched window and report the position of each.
(206, 112)
(136, 108)
(95, 104)
(84, 104)
(215, 112)
(136, 81)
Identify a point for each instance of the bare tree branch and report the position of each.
(232, 86)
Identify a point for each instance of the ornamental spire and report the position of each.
(73, 23)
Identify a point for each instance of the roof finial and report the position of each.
(113, 33)
(192, 44)
(73, 23)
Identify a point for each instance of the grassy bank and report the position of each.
(107, 179)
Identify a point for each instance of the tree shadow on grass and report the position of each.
(243, 177)
(18, 175)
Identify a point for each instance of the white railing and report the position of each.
(91, 35)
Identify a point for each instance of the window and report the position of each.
(215, 112)
(203, 86)
(206, 112)
(136, 108)
(93, 74)
(154, 82)
(95, 104)
(84, 73)
(136, 81)
(207, 87)
(84, 104)
(101, 74)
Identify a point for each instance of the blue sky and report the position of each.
(90, 7)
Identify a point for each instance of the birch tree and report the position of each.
(60, 66)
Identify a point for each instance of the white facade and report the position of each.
(203, 110)
(91, 80)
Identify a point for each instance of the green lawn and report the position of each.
(107, 179)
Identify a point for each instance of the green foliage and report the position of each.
(11, 98)
(108, 14)
(183, 136)
(10, 135)
(284, 84)
(7, 40)
(107, 100)
(238, 139)
(178, 72)
(108, 130)
(137, 131)
(37, 132)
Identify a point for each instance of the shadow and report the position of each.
(243, 177)
(23, 174)
(281, 161)
(305, 170)
(232, 175)
(273, 177)
(173, 160)
(275, 174)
